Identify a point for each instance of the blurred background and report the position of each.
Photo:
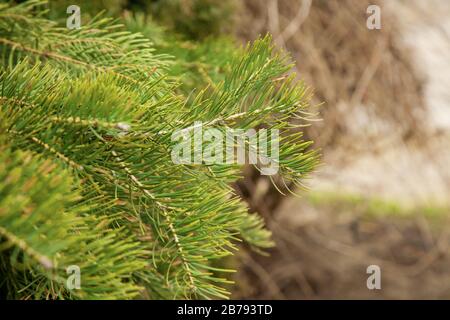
(382, 99)
(381, 196)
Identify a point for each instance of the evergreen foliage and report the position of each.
(86, 176)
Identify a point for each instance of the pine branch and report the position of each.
(98, 106)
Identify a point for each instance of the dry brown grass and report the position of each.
(325, 256)
(349, 66)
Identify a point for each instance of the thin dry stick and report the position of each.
(264, 276)
(273, 17)
(296, 23)
(369, 73)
